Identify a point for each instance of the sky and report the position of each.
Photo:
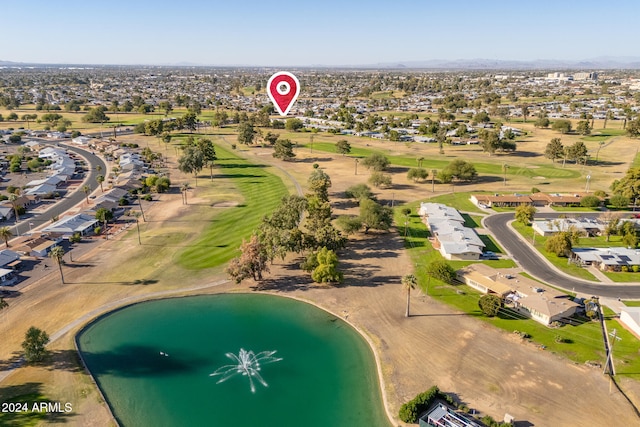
(313, 33)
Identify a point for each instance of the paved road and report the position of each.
(531, 261)
(70, 200)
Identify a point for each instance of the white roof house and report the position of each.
(453, 239)
(41, 189)
(67, 226)
(438, 210)
(607, 259)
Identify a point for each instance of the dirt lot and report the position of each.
(489, 370)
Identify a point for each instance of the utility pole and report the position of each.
(609, 362)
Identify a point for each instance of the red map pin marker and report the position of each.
(283, 89)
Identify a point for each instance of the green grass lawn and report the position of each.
(546, 170)
(460, 201)
(630, 303)
(560, 262)
(571, 209)
(261, 192)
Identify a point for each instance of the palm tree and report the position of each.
(6, 235)
(56, 254)
(12, 198)
(184, 188)
(409, 282)
(86, 190)
(100, 180)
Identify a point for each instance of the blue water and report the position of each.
(327, 376)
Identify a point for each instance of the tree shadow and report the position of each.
(134, 360)
(315, 159)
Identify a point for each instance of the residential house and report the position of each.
(69, 225)
(526, 296)
(442, 415)
(608, 259)
(588, 226)
(451, 237)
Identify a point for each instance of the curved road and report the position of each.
(70, 200)
(532, 261)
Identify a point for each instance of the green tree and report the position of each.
(578, 152)
(440, 269)
(319, 183)
(34, 344)
(283, 149)
(343, 147)
(554, 150)
(246, 133)
(379, 179)
(490, 140)
(56, 253)
(562, 126)
(166, 107)
(6, 235)
(590, 202)
(208, 150)
(562, 242)
(252, 262)
(327, 269)
(359, 191)
(409, 282)
(191, 161)
(293, 124)
(460, 169)
(375, 216)
(629, 185)
(619, 201)
(524, 214)
(349, 224)
(376, 162)
(104, 215)
(633, 128)
(95, 115)
(542, 122)
(490, 304)
(583, 127)
(417, 174)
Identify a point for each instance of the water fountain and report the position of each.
(248, 364)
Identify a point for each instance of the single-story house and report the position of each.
(38, 246)
(630, 318)
(9, 259)
(452, 238)
(7, 277)
(42, 190)
(607, 259)
(443, 415)
(6, 212)
(526, 296)
(548, 227)
(69, 225)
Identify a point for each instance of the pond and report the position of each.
(153, 362)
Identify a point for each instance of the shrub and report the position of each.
(590, 202)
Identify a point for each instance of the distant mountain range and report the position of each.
(598, 63)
